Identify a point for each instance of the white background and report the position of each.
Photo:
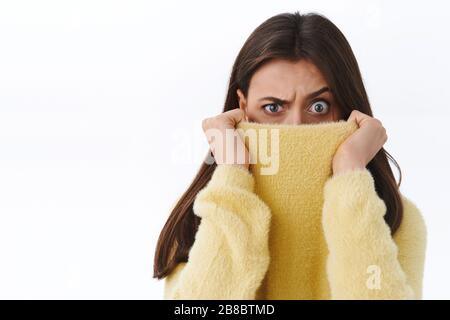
(98, 99)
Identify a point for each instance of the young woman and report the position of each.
(294, 69)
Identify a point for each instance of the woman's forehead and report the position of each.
(285, 79)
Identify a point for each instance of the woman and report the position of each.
(293, 69)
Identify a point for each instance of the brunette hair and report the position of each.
(290, 36)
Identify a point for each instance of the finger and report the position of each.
(236, 115)
(359, 117)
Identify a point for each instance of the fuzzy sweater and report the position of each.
(301, 232)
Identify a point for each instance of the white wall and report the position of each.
(93, 95)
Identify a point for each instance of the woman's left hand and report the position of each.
(362, 145)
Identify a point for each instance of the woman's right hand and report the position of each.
(226, 144)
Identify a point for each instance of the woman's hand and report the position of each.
(361, 146)
(226, 144)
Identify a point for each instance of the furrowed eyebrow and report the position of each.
(316, 93)
(275, 99)
(309, 96)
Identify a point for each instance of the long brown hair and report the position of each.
(291, 36)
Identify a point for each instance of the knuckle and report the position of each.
(236, 112)
(206, 123)
(375, 122)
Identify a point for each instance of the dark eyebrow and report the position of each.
(316, 93)
(309, 96)
(275, 99)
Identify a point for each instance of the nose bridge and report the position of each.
(295, 115)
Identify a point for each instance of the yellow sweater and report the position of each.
(300, 233)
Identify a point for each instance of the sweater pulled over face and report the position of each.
(288, 228)
(293, 189)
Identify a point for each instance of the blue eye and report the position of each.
(320, 106)
(272, 107)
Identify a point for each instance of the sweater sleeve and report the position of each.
(230, 254)
(365, 261)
